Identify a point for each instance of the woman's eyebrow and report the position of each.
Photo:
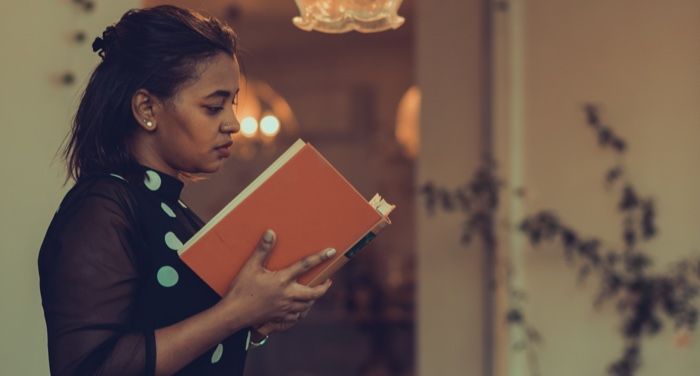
(219, 93)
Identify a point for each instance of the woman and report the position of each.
(116, 297)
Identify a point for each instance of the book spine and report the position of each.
(339, 261)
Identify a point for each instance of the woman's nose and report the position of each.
(230, 126)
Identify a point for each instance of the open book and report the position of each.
(308, 204)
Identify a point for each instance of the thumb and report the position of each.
(262, 250)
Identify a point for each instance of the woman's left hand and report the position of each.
(280, 326)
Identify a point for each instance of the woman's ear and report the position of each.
(144, 106)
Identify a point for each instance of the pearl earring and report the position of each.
(149, 124)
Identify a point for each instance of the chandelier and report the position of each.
(341, 16)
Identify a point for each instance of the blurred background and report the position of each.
(459, 84)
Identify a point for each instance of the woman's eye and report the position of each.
(214, 109)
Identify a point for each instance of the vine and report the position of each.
(642, 298)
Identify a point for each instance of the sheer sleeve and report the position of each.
(89, 284)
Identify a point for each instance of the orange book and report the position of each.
(308, 204)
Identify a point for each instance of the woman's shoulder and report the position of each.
(109, 192)
(98, 212)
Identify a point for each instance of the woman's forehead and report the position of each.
(218, 73)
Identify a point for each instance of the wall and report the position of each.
(449, 52)
(35, 113)
(639, 60)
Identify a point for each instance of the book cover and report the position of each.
(308, 204)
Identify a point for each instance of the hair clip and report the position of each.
(98, 45)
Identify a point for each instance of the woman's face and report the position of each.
(194, 128)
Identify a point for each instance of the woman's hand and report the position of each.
(267, 297)
(279, 326)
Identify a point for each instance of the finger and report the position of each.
(303, 293)
(308, 263)
(280, 326)
(305, 313)
(299, 306)
(268, 327)
(262, 249)
(291, 317)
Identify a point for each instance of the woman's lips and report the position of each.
(224, 150)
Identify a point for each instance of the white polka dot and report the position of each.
(182, 204)
(216, 356)
(152, 180)
(167, 209)
(118, 176)
(167, 276)
(172, 241)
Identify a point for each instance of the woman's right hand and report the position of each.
(262, 295)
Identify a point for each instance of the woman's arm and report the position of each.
(179, 344)
(90, 277)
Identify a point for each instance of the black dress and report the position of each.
(111, 275)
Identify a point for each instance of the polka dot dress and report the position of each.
(167, 291)
(177, 291)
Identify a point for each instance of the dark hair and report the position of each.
(156, 49)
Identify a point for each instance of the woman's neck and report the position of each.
(147, 155)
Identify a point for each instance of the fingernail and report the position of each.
(268, 236)
(330, 252)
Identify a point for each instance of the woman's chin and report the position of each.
(208, 167)
(214, 166)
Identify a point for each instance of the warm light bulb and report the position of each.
(270, 126)
(407, 122)
(249, 126)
